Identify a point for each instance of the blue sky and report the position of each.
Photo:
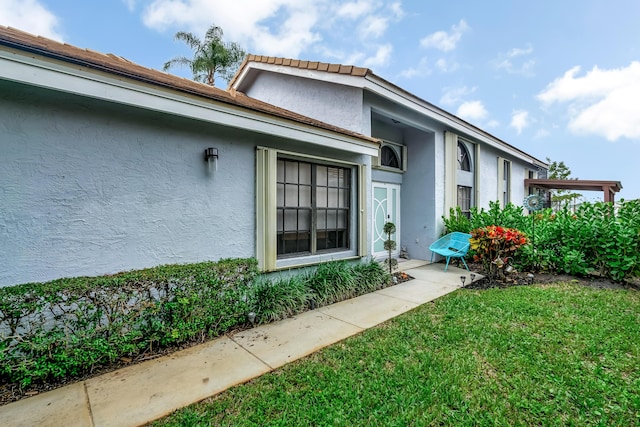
(558, 79)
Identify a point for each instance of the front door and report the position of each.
(386, 207)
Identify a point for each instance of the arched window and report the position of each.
(464, 162)
(389, 157)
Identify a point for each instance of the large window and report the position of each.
(313, 207)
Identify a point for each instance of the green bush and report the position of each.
(67, 327)
(595, 239)
(278, 299)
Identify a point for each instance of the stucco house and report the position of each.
(107, 166)
(102, 169)
(429, 161)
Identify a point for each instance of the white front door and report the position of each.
(386, 207)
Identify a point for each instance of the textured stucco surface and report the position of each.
(331, 103)
(89, 188)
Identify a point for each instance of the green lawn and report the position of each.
(558, 354)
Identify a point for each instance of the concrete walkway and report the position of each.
(150, 390)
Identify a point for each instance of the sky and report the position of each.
(557, 79)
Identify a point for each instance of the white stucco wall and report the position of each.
(89, 189)
(331, 103)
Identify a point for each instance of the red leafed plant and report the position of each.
(494, 246)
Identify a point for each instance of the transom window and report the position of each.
(313, 207)
(389, 157)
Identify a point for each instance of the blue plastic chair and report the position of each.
(453, 245)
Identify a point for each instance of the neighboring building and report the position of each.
(102, 170)
(429, 162)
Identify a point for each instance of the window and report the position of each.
(309, 209)
(392, 156)
(504, 181)
(464, 161)
(313, 207)
(464, 200)
(389, 157)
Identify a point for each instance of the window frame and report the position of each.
(399, 150)
(315, 211)
(266, 207)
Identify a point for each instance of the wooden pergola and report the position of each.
(608, 187)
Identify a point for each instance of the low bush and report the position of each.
(277, 299)
(69, 327)
(495, 247)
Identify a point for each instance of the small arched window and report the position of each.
(389, 157)
(464, 161)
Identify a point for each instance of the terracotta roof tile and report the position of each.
(112, 64)
(308, 65)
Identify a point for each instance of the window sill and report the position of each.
(308, 260)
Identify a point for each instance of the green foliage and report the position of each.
(561, 198)
(547, 355)
(596, 239)
(211, 56)
(457, 221)
(67, 327)
(280, 298)
(390, 245)
(495, 246)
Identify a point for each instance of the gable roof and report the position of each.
(376, 84)
(118, 66)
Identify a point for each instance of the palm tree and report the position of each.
(210, 57)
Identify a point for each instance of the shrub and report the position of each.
(280, 298)
(494, 246)
(67, 327)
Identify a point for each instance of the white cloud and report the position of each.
(381, 57)
(513, 62)
(541, 133)
(354, 9)
(131, 4)
(447, 66)
(602, 102)
(373, 27)
(273, 27)
(452, 96)
(396, 10)
(421, 70)
(520, 120)
(284, 27)
(472, 111)
(444, 41)
(492, 124)
(30, 16)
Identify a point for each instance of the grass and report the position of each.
(557, 354)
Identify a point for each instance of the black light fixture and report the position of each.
(211, 157)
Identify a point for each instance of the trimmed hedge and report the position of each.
(68, 327)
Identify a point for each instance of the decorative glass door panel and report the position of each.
(386, 207)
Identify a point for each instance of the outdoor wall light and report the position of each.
(211, 157)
